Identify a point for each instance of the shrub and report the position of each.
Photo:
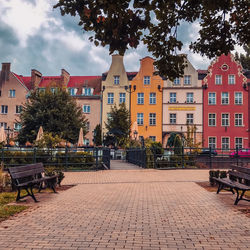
(51, 170)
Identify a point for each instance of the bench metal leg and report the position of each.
(18, 195)
(241, 196)
(220, 186)
(30, 193)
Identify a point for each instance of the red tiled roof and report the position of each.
(49, 81)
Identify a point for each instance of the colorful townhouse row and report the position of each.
(215, 102)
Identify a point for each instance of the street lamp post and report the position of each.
(130, 90)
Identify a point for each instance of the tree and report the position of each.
(118, 124)
(98, 135)
(56, 112)
(122, 24)
(244, 59)
(175, 142)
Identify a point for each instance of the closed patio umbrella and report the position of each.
(39, 134)
(80, 139)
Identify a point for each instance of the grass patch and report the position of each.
(8, 210)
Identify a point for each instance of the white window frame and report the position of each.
(140, 119)
(172, 97)
(152, 137)
(190, 97)
(17, 126)
(227, 98)
(238, 119)
(223, 119)
(140, 98)
(212, 120)
(19, 109)
(230, 78)
(12, 93)
(122, 98)
(152, 98)
(152, 119)
(110, 98)
(172, 118)
(190, 118)
(3, 124)
(238, 98)
(212, 144)
(86, 108)
(237, 144)
(213, 98)
(225, 145)
(218, 79)
(187, 79)
(116, 79)
(146, 80)
(4, 109)
(177, 81)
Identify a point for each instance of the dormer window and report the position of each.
(72, 91)
(116, 80)
(177, 81)
(146, 80)
(12, 93)
(187, 80)
(87, 91)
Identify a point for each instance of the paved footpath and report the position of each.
(130, 209)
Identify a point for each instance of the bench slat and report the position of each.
(239, 175)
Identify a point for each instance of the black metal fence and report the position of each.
(187, 157)
(67, 159)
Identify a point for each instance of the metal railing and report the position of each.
(184, 157)
(67, 159)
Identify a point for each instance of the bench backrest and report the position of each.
(240, 173)
(25, 173)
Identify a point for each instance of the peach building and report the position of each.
(146, 101)
(183, 105)
(15, 90)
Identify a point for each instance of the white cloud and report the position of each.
(25, 18)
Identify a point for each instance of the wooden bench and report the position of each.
(238, 180)
(29, 176)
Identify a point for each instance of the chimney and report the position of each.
(64, 77)
(36, 77)
(5, 73)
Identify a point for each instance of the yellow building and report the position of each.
(113, 86)
(146, 101)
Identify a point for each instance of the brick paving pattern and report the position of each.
(130, 209)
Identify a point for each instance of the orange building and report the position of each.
(146, 102)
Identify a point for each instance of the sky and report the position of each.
(33, 35)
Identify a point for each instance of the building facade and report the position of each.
(182, 106)
(226, 105)
(146, 102)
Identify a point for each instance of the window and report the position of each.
(225, 143)
(152, 119)
(187, 79)
(146, 80)
(225, 120)
(190, 118)
(109, 116)
(140, 118)
(212, 142)
(116, 80)
(238, 98)
(238, 142)
(224, 98)
(110, 98)
(176, 81)
(211, 98)
(238, 120)
(218, 79)
(4, 109)
(172, 118)
(18, 109)
(72, 91)
(190, 98)
(86, 108)
(17, 126)
(122, 98)
(152, 138)
(172, 97)
(231, 79)
(152, 98)
(53, 90)
(211, 120)
(140, 98)
(3, 124)
(87, 91)
(12, 93)
(86, 142)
